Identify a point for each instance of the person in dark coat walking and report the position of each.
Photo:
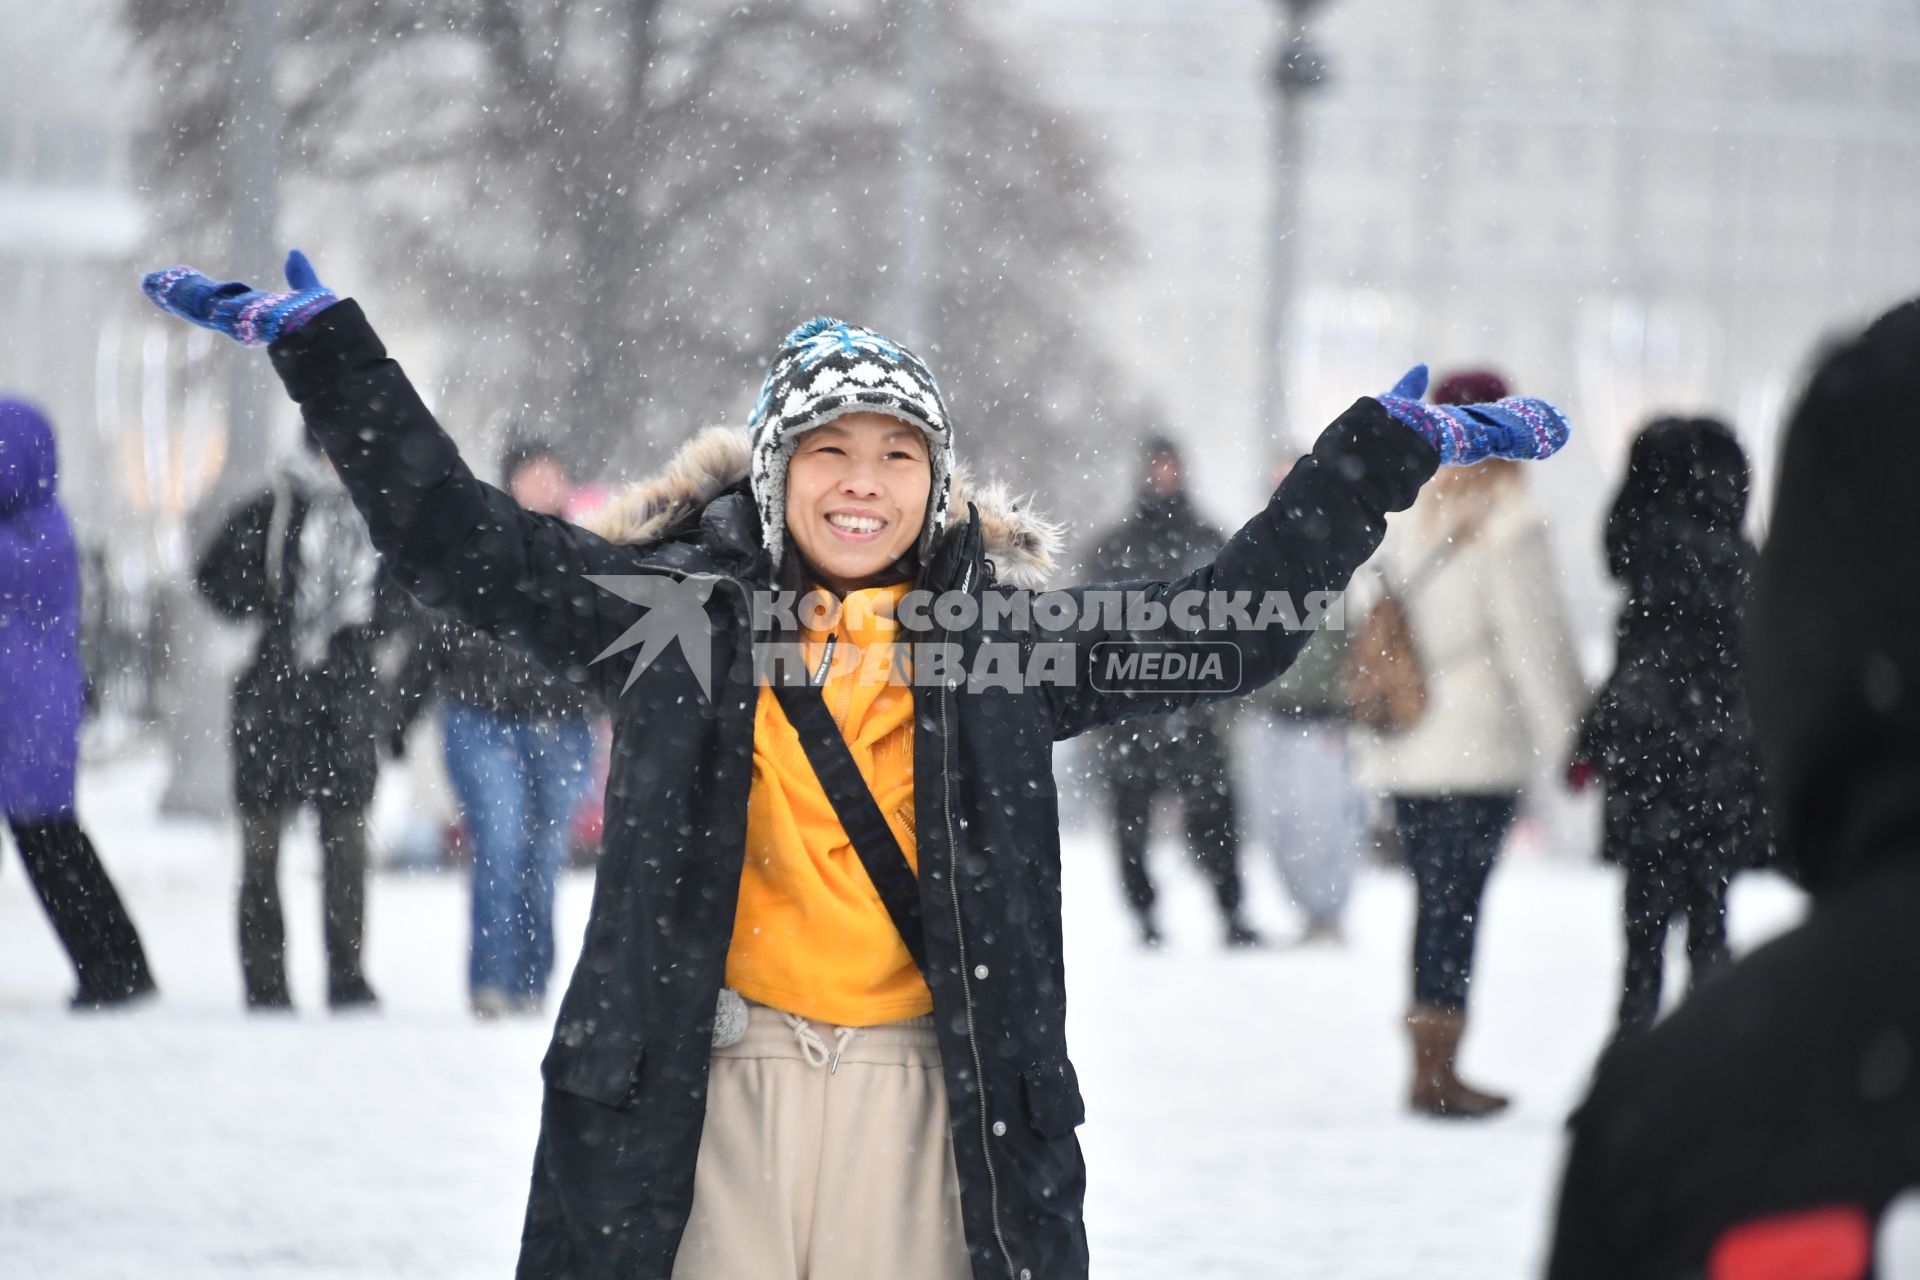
(1668, 733)
(1182, 754)
(1770, 1126)
(661, 1150)
(519, 750)
(309, 712)
(42, 691)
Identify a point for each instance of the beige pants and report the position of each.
(825, 1157)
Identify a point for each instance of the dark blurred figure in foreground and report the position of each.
(309, 712)
(41, 694)
(1183, 752)
(1776, 1115)
(1668, 734)
(519, 751)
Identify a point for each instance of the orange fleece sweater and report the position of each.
(811, 935)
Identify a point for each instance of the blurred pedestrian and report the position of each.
(1501, 690)
(42, 690)
(1305, 805)
(1668, 734)
(818, 1026)
(310, 712)
(1770, 1126)
(519, 752)
(1182, 754)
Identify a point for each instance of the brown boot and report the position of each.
(1437, 1091)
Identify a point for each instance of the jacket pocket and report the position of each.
(1054, 1105)
(603, 1069)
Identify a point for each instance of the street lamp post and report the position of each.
(1297, 72)
(195, 715)
(915, 286)
(253, 188)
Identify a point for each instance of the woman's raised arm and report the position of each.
(1323, 522)
(455, 543)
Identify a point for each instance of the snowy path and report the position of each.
(1243, 1108)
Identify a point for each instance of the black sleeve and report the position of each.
(395, 613)
(232, 572)
(1327, 517)
(426, 644)
(1213, 539)
(1585, 1247)
(454, 543)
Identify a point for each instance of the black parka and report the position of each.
(626, 1072)
(463, 664)
(1669, 731)
(1163, 538)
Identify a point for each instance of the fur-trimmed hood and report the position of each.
(1023, 545)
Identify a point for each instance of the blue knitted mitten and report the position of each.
(249, 316)
(1516, 427)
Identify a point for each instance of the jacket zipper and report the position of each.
(966, 982)
(959, 931)
(819, 676)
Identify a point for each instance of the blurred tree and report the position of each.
(613, 210)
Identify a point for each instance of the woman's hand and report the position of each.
(249, 316)
(1516, 427)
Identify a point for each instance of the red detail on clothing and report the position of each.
(1833, 1242)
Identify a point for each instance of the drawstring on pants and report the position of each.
(814, 1046)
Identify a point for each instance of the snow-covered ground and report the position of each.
(1244, 1113)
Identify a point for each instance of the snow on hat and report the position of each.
(827, 368)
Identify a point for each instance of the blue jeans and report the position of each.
(519, 782)
(1451, 842)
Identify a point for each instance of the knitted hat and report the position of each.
(827, 368)
(1471, 386)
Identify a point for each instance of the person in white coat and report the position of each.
(1474, 573)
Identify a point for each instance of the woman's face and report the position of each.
(857, 496)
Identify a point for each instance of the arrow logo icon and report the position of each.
(676, 610)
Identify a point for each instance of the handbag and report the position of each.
(1385, 685)
(1383, 677)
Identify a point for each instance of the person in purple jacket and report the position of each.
(41, 691)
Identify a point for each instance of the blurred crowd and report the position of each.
(1410, 730)
(1413, 730)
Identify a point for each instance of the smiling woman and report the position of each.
(857, 493)
(897, 1099)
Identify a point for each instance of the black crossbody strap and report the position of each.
(859, 814)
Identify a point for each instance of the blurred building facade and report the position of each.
(69, 220)
(1634, 206)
